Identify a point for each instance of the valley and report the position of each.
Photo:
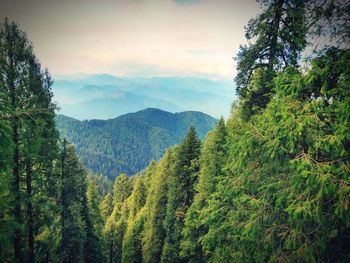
(160, 157)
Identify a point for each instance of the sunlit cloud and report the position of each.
(135, 37)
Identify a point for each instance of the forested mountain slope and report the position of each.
(271, 184)
(127, 143)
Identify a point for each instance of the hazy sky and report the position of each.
(134, 37)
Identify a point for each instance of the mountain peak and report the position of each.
(127, 143)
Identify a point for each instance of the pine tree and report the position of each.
(132, 246)
(73, 235)
(6, 220)
(180, 194)
(93, 249)
(277, 36)
(155, 209)
(28, 109)
(93, 204)
(115, 225)
(15, 62)
(106, 206)
(212, 160)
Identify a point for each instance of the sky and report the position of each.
(134, 37)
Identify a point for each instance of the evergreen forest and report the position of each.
(127, 144)
(270, 184)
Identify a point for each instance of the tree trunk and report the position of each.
(63, 196)
(16, 166)
(30, 222)
(274, 37)
(17, 202)
(111, 252)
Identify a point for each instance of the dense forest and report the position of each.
(271, 184)
(127, 144)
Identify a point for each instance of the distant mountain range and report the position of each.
(104, 96)
(127, 143)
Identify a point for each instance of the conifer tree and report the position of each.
(6, 221)
(15, 62)
(93, 249)
(73, 235)
(180, 194)
(132, 246)
(106, 206)
(115, 225)
(27, 108)
(155, 209)
(276, 38)
(212, 160)
(93, 204)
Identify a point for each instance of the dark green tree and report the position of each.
(212, 160)
(27, 108)
(155, 209)
(276, 38)
(116, 223)
(180, 194)
(72, 192)
(15, 62)
(93, 249)
(283, 199)
(132, 245)
(6, 220)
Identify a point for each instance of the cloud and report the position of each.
(134, 37)
(133, 69)
(200, 52)
(127, 68)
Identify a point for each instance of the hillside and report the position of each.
(127, 143)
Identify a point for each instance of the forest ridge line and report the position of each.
(270, 184)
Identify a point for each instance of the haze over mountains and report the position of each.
(127, 144)
(93, 96)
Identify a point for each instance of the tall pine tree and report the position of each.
(73, 235)
(27, 108)
(180, 194)
(276, 38)
(213, 159)
(156, 205)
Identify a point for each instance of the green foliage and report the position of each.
(116, 223)
(212, 161)
(106, 206)
(284, 196)
(276, 38)
(94, 224)
(103, 184)
(181, 180)
(273, 187)
(132, 243)
(6, 196)
(93, 201)
(72, 206)
(44, 215)
(132, 246)
(128, 143)
(28, 143)
(155, 209)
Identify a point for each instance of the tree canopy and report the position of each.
(270, 184)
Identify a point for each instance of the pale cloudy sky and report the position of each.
(134, 37)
